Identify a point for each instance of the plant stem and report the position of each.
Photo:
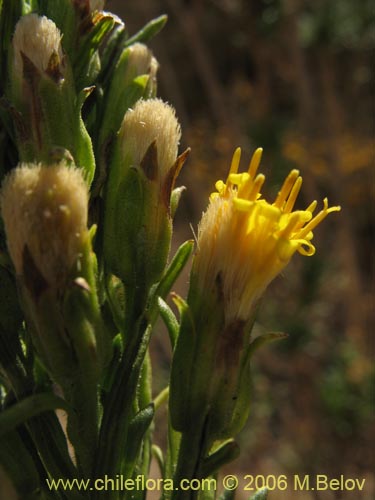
(193, 448)
(118, 406)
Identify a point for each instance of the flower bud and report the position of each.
(37, 40)
(137, 226)
(44, 210)
(139, 60)
(149, 121)
(45, 106)
(134, 77)
(45, 216)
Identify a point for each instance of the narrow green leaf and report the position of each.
(224, 454)
(175, 199)
(162, 398)
(149, 31)
(110, 53)
(137, 429)
(86, 52)
(169, 319)
(181, 372)
(27, 408)
(265, 339)
(158, 455)
(49, 438)
(174, 269)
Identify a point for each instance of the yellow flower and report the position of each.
(244, 242)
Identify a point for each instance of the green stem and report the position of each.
(161, 398)
(193, 448)
(118, 406)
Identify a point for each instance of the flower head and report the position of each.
(245, 242)
(141, 177)
(45, 210)
(39, 39)
(151, 120)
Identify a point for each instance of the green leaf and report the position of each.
(51, 443)
(118, 100)
(29, 407)
(182, 367)
(137, 429)
(111, 52)
(175, 268)
(227, 452)
(175, 199)
(88, 47)
(149, 31)
(169, 319)
(264, 339)
(110, 372)
(63, 14)
(157, 453)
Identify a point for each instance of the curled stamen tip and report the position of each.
(327, 209)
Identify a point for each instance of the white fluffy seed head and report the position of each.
(38, 38)
(151, 120)
(45, 209)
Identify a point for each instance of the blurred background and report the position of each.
(295, 77)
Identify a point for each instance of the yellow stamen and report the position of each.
(248, 240)
(233, 166)
(286, 188)
(311, 208)
(292, 222)
(255, 161)
(258, 183)
(293, 195)
(235, 162)
(318, 218)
